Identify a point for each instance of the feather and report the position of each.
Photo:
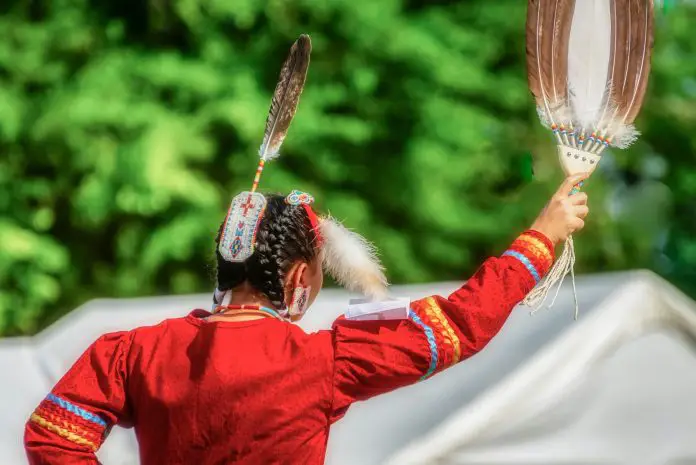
(624, 135)
(286, 98)
(562, 114)
(351, 260)
(588, 60)
(632, 40)
(548, 32)
(639, 63)
(633, 47)
(617, 60)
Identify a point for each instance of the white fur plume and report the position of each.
(351, 260)
(624, 135)
(556, 114)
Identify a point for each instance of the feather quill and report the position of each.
(286, 98)
(351, 260)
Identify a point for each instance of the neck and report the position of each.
(246, 295)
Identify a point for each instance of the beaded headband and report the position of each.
(305, 200)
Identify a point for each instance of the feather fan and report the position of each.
(588, 63)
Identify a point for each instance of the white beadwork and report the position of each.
(239, 233)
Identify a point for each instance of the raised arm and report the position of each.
(71, 423)
(372, 357)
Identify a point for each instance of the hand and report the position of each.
(564, 213)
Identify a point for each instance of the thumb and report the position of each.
(570, 182)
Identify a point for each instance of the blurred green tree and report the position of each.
(127, 126)
(671, 120)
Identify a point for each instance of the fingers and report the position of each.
(577, 224)
(578, 199)
(570, 182)
(566, 211)
(581, 211)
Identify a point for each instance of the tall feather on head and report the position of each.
(588, 63)
(286, 98)
(238, 236)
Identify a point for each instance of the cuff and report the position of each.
(535, 251)
(70, 422)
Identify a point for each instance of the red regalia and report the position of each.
(263, 391)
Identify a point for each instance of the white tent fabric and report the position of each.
(380, 428)
(616, 389)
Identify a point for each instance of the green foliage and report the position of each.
(127, 126)
(672, 119)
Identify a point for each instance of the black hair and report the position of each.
(285, 235)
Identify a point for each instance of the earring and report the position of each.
(300, 299)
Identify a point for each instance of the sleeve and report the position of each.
(374, 357)
(71, 423)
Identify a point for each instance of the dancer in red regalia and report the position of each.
(243, 385)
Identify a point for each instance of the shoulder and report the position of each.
(189, 321)
(320, 340)
(151, 335)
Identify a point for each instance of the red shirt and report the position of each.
(263, 391)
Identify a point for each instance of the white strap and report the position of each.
(221, 298)
(389, 309)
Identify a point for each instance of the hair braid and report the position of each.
(284, 236)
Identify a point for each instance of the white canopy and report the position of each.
(500, 390)
(617, 388)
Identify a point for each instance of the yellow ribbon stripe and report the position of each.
(536, 246)
(434, 311)
(62, 432)
(69, 426)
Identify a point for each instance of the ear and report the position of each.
(296, 277)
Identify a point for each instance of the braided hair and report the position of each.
(285, 235)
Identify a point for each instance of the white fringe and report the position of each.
(564, 265)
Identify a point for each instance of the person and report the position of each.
(244, 385)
